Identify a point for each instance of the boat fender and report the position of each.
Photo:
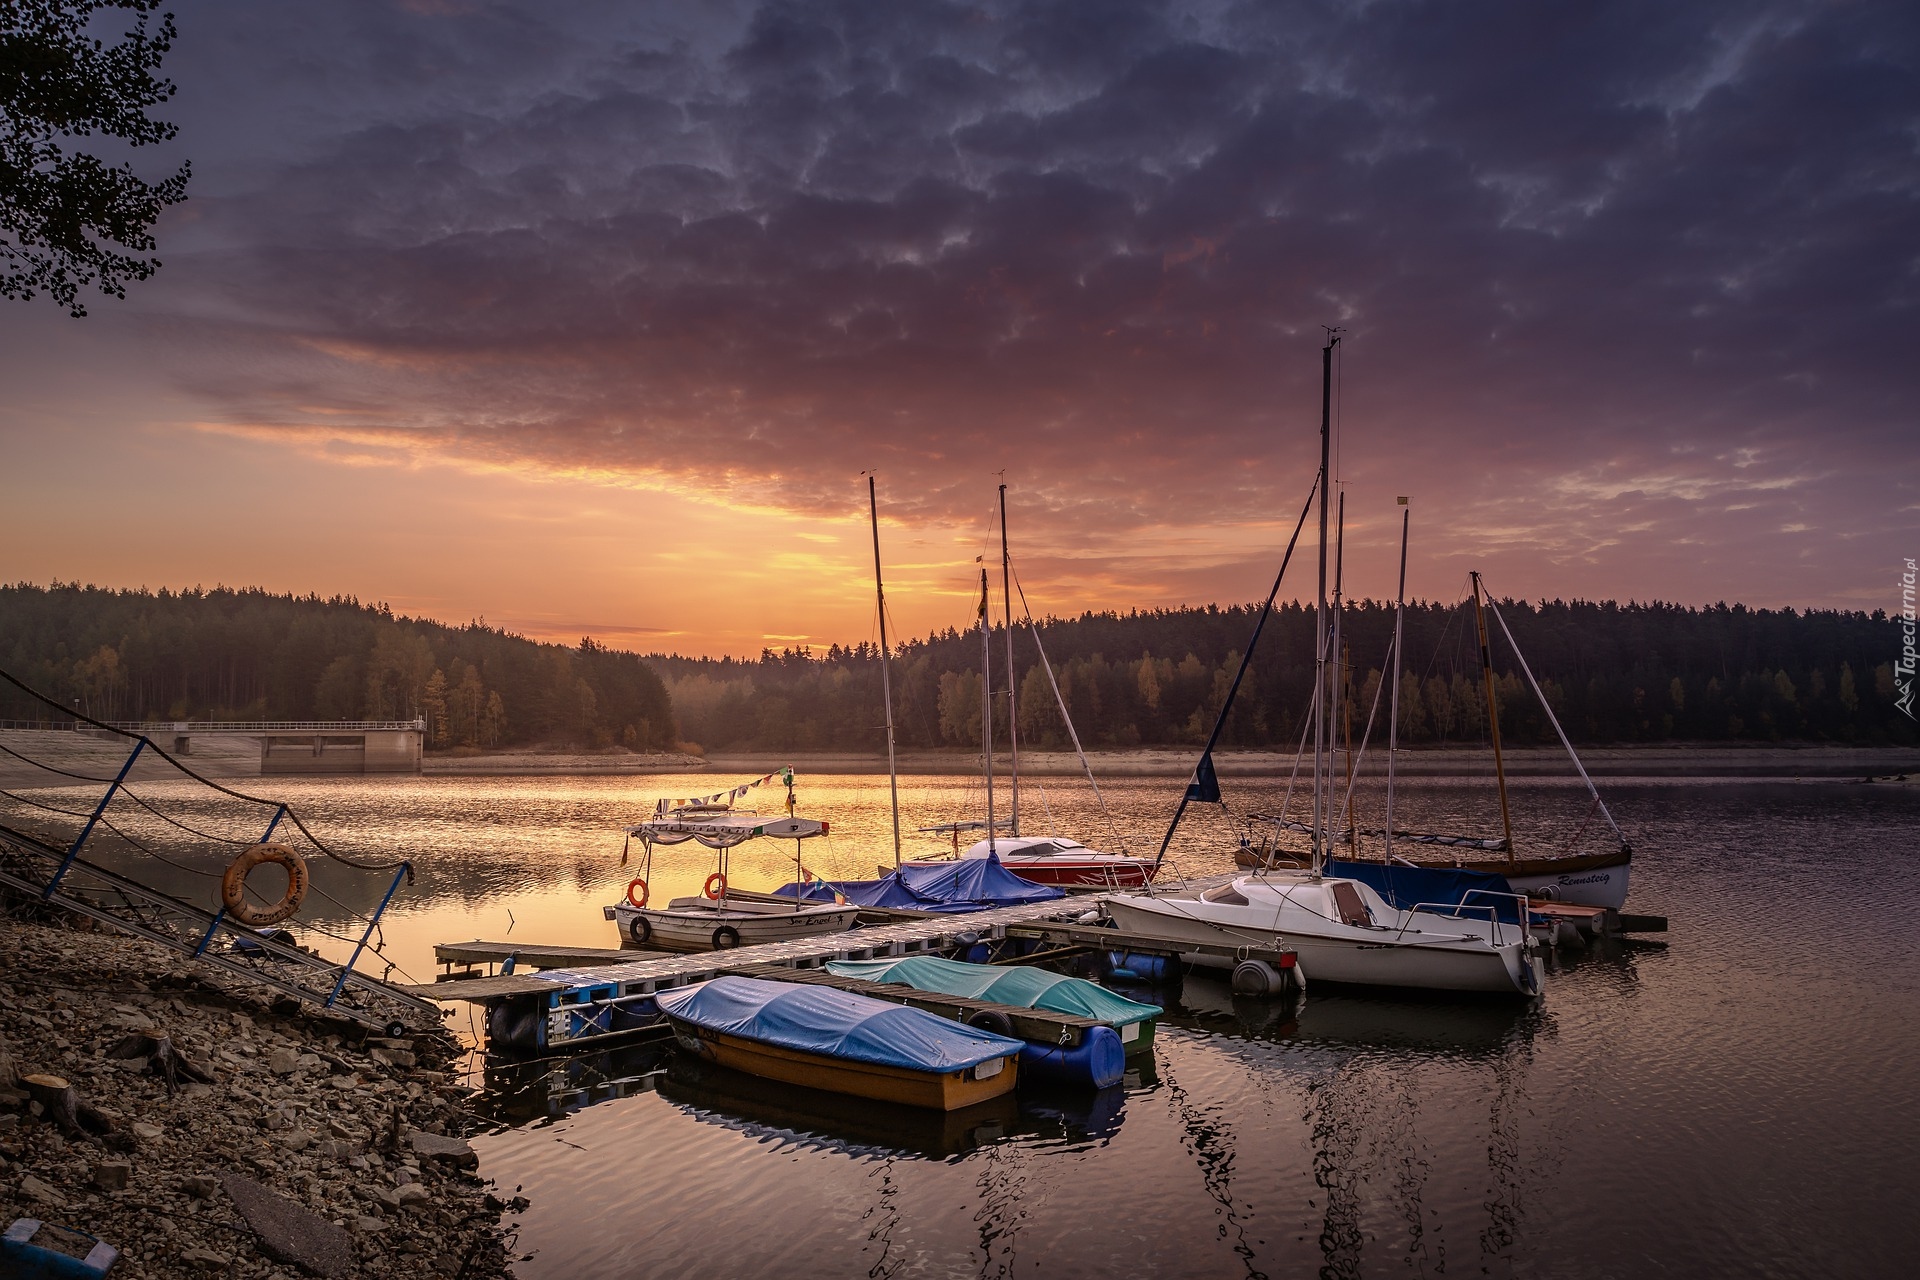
(1131, 966)
(233, 885)
(725, 937)
(641, 930)
(1257, 978)
(1098, 1061)
(1087, 917)
(640, 901)
(991, 1020)
(716, 885)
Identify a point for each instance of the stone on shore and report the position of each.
(287, 1232)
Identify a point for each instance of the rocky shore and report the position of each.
(216, 1131)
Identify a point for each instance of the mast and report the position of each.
(1493, 718)
(886, 679)
(1320, 602)
(1340, 723)
(986, 703)
(1013, 691)
(1393, 715)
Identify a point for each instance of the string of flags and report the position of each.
(783, 774)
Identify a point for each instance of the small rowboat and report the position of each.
(821, 1038)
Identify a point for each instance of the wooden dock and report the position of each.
(558, 996)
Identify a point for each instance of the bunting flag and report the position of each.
(1205, 785)
(782, 774)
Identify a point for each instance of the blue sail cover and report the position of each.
(1403, 886)
(965, 884)
(835, 1024)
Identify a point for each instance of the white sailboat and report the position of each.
(1341, 930)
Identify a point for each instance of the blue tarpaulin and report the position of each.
(965, 884)
(837, 1024)
(1403, 886)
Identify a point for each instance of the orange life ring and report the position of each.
(715, 879)
(640, 901)
(233, 885)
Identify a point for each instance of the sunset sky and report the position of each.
(586, 318)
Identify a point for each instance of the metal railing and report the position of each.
(226, 726)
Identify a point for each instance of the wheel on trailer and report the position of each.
(641, 930)
(991, 1020)
(395, 1029)
(725, 938)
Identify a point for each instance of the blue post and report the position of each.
(278, 814)
(207, 937)
(98, 809)
(371, 925)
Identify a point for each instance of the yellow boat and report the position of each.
(822, 1038)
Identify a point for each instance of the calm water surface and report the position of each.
(1738, 1102)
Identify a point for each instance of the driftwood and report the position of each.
(163, 1060)
(61, 1101)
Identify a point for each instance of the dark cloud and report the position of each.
(1603, 266)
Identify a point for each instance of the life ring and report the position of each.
(641, 930)
(233, 885)
(725, 938)
(715, 879)
(641, 901)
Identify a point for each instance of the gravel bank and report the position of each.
(311, 1149)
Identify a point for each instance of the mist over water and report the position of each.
(1737, 1102)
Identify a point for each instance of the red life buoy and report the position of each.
(640, 901)
(716, 879)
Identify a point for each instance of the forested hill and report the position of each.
(1614, 673)
(225, 654)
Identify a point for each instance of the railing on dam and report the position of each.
(229, 726)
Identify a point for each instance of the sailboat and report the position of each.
(1579, 879)
(1340, 928)
(1059, 861)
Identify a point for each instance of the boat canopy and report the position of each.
(835, 1024)
(1022, 986)
(721, 828)
(970, 884)
(1406, 887)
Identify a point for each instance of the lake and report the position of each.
(1738, 1101)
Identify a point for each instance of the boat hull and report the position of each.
(1061, 873)
(1511, 969)
(939, 1091)
(678, 927)
(1586, 880)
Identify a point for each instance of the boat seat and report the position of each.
(1225, 893)
(1347, 901)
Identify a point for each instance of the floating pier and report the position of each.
(576, 996)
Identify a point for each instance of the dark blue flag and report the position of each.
(1205, 786)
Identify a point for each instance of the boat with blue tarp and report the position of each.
(969, 884)
(1021, 986)
(823, 1038)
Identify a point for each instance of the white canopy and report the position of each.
(723, 828)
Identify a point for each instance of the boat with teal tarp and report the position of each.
(1021, 986)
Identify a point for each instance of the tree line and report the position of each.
(1613, 673)
(225, 654)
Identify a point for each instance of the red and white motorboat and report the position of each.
(1062, 862)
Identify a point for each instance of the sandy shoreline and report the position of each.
(1717, 760)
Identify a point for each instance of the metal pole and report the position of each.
(1393, 716)
(986, 705)
(1320, 599)
(886, 680)
(74, 850)
(371, 926)
(1013, 686)
(1493, 719)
